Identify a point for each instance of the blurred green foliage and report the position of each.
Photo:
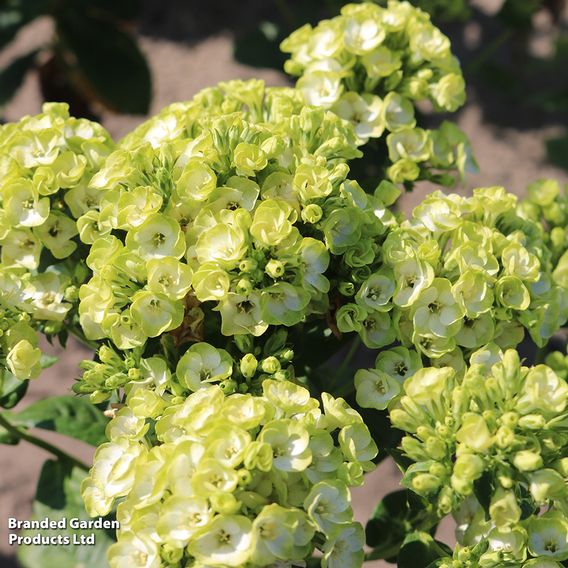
(92, 57)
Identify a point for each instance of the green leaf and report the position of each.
(517, 14)
(15, 14)
(399, 513)
(12, 389)
(420, 550)
(124, 9)
(557, 150)
(109, 62)
(12, 76)
(483, 490)
(58, 497)
(47, 361)
(261, 47)
(67, 415)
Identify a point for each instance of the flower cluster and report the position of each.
(370, 49)
(46, 164)
(240, 480)
(371, 66)
(463, 274)
(538, 541)
(547, 203)
(500, 433)
(240, 215)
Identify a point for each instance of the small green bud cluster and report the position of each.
(113, 371)
(500, 430)
(230, 480)
(371, 66)
(463, 275)
(558, 362)
(240, 215)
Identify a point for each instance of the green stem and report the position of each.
(57, 452)
(349, 355)
(540, 355)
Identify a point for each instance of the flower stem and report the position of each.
(44, 445)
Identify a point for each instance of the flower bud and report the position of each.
(248, 365)
(71, 294)
(532, 421)
(346, 288)
(275, 268)
(286, 355)
(504, 437)
(510, 419)
(248, 265)
(527, 460)
(229, 386)
(312, 213)
(244, 287)
(425, 483)
(224, 503)
(270, 365)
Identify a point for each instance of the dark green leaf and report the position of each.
(557, 150)
(12, 76)
(68, 415)
(420, 550)
(15, 14)
(58, 497)
(399, 513)
(517, 14)
(261, 47)
(11, 389)
(483, 490)
(109, 62)
(124, 9)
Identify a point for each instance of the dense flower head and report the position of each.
(230, 480)
(462, 275)
(46, 164)
(372, 65)
(499, 433)
(547, 203)
(538, 541)
(233, 215)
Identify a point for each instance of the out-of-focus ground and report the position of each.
(510, 153)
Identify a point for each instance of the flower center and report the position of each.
(159, 239)
(224, 537)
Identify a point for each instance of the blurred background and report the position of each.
(119, 61)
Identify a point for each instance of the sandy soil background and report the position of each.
(510, 153)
